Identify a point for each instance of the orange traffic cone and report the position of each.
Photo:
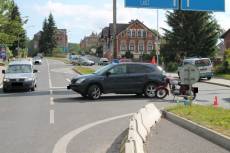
(153, 60)
(215, 103)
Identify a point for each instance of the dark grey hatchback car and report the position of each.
(125, 78)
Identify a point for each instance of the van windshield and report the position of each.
(19, 69)
(203, 62)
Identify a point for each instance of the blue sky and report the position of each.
(82, 17)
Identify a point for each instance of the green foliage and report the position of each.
(74, 48)
(47, 42)
(23, 53)
(128, 54)
(11, 27)
(171, 66)
(192, 34)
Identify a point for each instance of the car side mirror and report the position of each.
(3, 71)
(108, 73)
(35, 71)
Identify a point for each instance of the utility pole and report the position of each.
(114, 28)
(158, 41)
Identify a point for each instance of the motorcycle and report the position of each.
(176, 88)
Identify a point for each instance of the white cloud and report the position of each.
(85, 18)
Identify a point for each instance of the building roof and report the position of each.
(225, 34)
(120, 27)
(108, 31)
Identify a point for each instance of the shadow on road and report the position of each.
(108, 99)
(116, 145)
(24, 93)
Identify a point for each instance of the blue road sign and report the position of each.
(204, 5)
(157, 4)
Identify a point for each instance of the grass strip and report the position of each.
(224, 76)
(217, 119)
(66, 61)
(83, 70)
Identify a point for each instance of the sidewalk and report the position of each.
(215, 81)
(218, 81)
(168, 137)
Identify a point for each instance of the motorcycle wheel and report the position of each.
(161, 93)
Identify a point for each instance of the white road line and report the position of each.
(68, 80)
(51, 101)
(51, 116)
(49, 76)
(58, 87)
(61, 145)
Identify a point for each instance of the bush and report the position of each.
(171, 67)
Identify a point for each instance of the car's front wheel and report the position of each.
(150, 90)
(94, 92)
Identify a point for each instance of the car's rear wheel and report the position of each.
(94, 92)
(209, 78)
(150, 90)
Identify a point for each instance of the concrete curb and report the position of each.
(219, 84)
(204, 132)
(76, 71)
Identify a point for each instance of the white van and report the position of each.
(203, 64)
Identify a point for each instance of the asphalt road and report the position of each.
(54, 120)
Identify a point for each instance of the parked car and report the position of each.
(203, 64)
(84, 61)
(19, 75)
(103, 61)
(124, 78)
(115, 61)
(37, 60)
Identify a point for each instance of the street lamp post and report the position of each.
(114, 28)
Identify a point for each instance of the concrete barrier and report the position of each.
(154, 112)
(141, 130)
(139, 127)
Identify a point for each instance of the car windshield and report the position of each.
(103, 69)
(19, 69)
(203, 62)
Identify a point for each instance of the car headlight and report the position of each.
(29, 79)
(79, 81)
(6, 80)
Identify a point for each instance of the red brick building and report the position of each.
(133, 37)
(226, 37)
(89, 42)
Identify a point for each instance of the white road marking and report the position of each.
(51, 101)
(51, 116)
(68, 80)
(61, 145)
(49, 76)
(58, 88)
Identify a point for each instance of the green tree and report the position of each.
(17, 30)
(191, 34)
(43, 44)
(47, 42)
(5, 10)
